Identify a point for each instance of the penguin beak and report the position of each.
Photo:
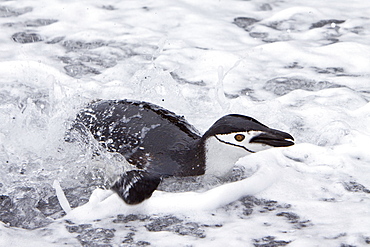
(274, 138)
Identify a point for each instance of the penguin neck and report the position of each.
(191, 159)
(219, 158)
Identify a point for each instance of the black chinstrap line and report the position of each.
(234, 145)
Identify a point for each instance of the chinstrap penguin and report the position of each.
(159, 144)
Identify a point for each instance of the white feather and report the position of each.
(221, 157)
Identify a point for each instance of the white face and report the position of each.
(242, 140)
(223, 151)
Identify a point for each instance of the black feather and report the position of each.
(135, 186)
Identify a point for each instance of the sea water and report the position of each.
(301, 67)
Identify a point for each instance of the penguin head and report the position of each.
(234, 136)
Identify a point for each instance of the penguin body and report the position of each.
(161, 144)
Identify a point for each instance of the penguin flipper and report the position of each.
(135, 186)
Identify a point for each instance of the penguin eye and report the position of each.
(239, 137)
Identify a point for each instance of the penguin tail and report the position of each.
(136, 186)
